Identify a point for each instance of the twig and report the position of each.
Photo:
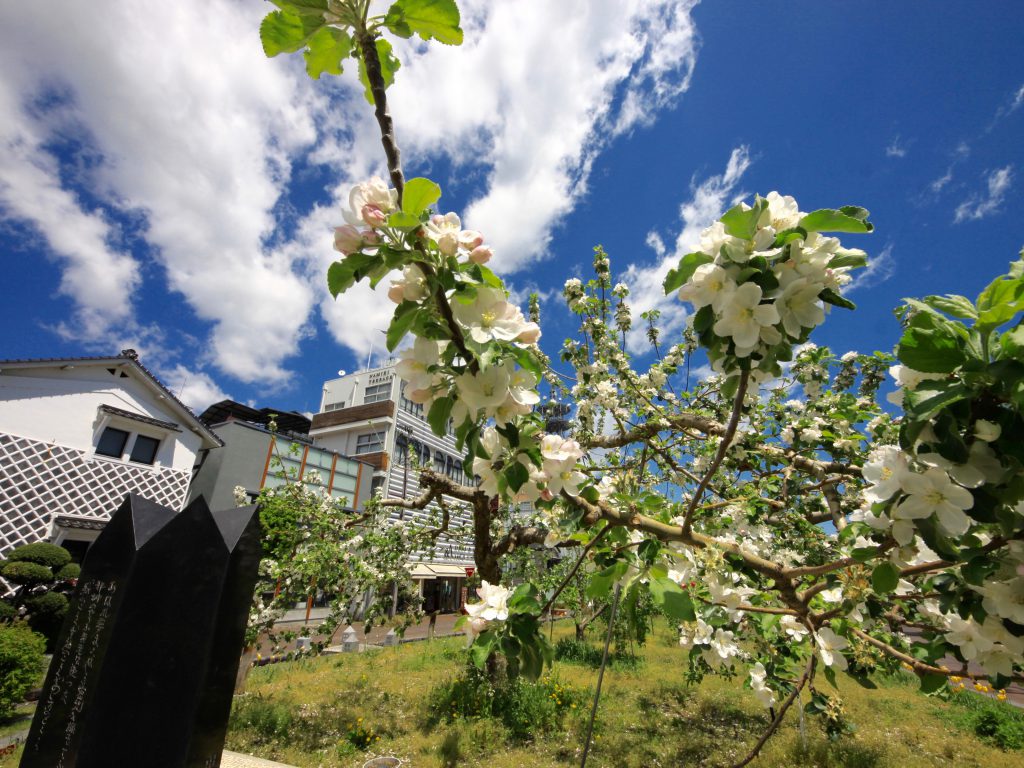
(600, 534)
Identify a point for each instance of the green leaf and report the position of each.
(931, 396)
(999, 303)
(743, 223)
(303, 7)
(1011, 343)
(677, 278)
(286, 32)
(830, 675)
(405, 315)
(601, 583)
(430, 19)
(853, 259)
(932, 682)
(516, 475)
(957, 306)
(438, 415)
(389, 65)
(326, 49)
(831, 297)
(849, 218)
(419, 195)
(672, 599)
(481, 648)
(403, 220)
(931, 344)
(342, 274)
(885, 578)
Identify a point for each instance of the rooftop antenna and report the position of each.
(368, 356)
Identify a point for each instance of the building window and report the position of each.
(401, 450)
(112, 442)
(144, 450)
(457, 472)
(334, 406)
(371, 443)
(407, 405)
(377, 392)
(439, 462)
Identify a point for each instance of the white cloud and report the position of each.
(195, 389)
(978, 206)
(938, 184)
(896, 148)
(708, 200)
(194, 128)
(879, 269)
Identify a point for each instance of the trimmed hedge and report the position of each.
(27, 573)
(21, 662)
(43, 553)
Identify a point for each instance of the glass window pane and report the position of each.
(112, 442)
(144, 450)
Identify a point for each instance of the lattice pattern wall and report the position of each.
(38, 481)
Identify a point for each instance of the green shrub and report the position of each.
(523, 708)
(21, 662)
(994, 721)
(42, 553)
(26, 573)
(46, 615)
(69, 571)
(7, 612)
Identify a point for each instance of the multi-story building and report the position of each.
(367, 416)
(255, 457)
(77, 435)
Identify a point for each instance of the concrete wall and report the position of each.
(239, 462)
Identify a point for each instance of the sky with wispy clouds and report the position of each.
(164, 186)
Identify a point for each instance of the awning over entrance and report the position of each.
(433, 570)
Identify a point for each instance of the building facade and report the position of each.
(367, 416)
(254, 457)
(77, 435)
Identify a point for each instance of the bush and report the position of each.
(26, 573)
(46, 616)
(523, 708)
(994, 721)
(21, 662)
(7, 612)
(50, 555)
(69, 571)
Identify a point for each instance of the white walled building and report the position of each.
(77, 435)
(365, 415)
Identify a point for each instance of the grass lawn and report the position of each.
(338, 711)
(322, 712)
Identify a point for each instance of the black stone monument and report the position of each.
(144, 670)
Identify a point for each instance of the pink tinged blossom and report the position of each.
(481, 254)
(445, 231)
(375, 193)
(416, 361)
(412, 286)
(347, 239)
(470, 239)
(373, 216)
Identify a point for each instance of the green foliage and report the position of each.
(580, 652)
(326, 49)
(46, 612)
(26, 573)
(526, 709)
(42, 552)
(430, 19)
(994, 721)
(676, 278)
(69, 572)
(849, 218)
(21, 662)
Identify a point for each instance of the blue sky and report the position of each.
(163, 186)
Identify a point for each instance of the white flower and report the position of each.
(492, 444)
(695, 633)
(934, 492)
(721, 650)
(829, 644)
(412, 286)
(714, 237)
(710, 284)
(967, 635)
(793, 627)
(445, 230)
(987, 430)
(489, 316)
(370, 202)
(495, 603)
(783, 212)
(1004, 599)
(799, 306)
(834, 595)
(414, 365)
(886, 468)
(486, 390)
(907, 379)
(744, 316)
(757, 685)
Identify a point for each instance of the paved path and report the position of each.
(235, 760)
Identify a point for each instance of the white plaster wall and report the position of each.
(62, 407)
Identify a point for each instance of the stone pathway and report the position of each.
(235, 760)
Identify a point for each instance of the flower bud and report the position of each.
(347, 239)
(481, 254)
(373, 216)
